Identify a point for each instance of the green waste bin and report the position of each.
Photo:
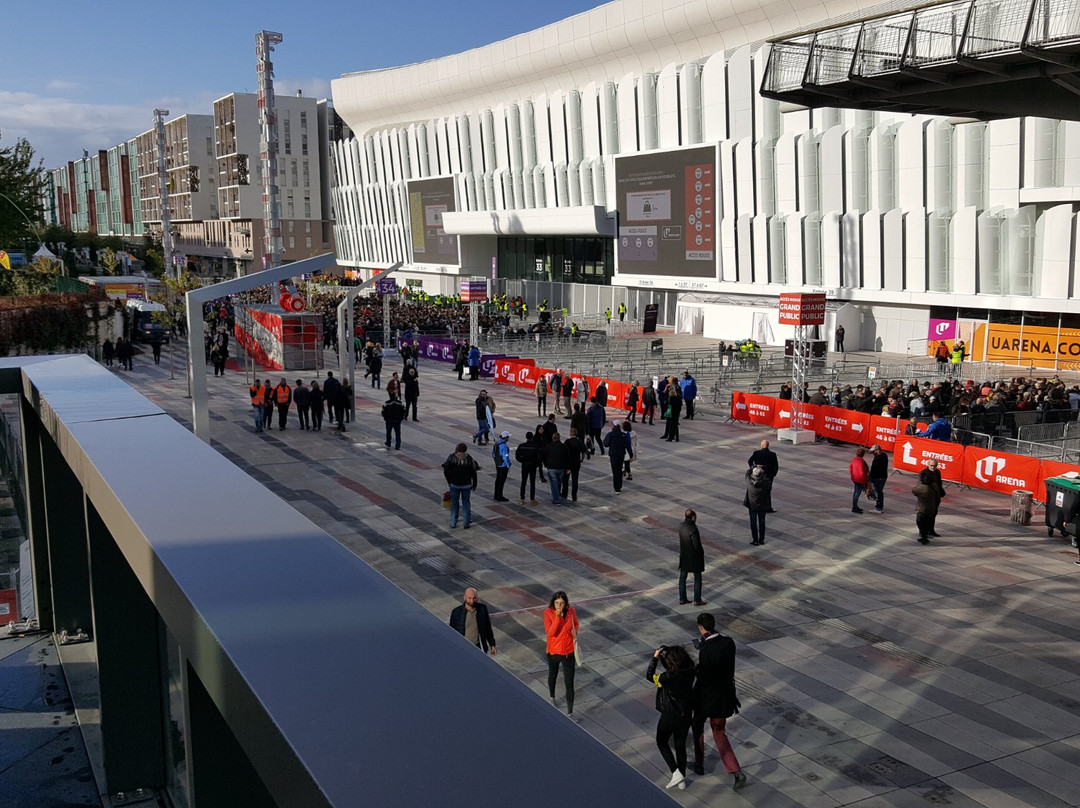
(1063, 506)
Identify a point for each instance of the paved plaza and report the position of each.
(873, 671)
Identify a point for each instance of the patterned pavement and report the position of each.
(872, 671)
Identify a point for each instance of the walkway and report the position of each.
(873, 671)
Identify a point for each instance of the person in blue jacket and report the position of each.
(500, 453)
(688, 384)
(939, 429)
(597, 417)
(474, 363)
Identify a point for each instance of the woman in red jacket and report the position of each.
(860, 478)
(561, 628)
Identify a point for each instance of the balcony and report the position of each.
(980, 58)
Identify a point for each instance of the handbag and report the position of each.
(667, 411)
(446, 500)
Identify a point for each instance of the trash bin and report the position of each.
(1063, 506)
(1020, 512)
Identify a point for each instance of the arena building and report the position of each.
(627, 154)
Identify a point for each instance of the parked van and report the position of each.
(143, 327)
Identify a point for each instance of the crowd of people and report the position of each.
(947, 397)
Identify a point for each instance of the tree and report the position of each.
(109, 260)
(20, 182)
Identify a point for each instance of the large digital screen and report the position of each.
(428, 201)
(667, 213)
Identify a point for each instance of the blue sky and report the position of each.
(88, 76)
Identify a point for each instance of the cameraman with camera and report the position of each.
(674, 701)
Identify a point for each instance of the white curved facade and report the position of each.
(891, 213)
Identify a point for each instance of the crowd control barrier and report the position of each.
(968, 465)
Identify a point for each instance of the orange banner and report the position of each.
(1048, 469)
(883, 430)
(839, 424)
(1000, 471)
(911, 454)
(753, 408)
(1040, 346)
(808, 416)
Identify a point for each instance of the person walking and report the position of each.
(648, 403)
(472, 621)
(527, 455)
(393, 413)
(622, 312)
(474, 363)
(596, 418)
(926, 506)
(317, 400)
(935, 479)
(541, 396)
(500, 453)
(715, 698)
(673, 411)
(302, 399)
(282, 399)
(258, 395)
(348, 401)
(860, 478)
(108, 351)
(674, 702)
(758, 501)
(555, 383)
(691, 557)
(335, 400)
(375, 366)
(155, 349)
(840, 338)
(631, 450)
(460, 469)
(567, 393)
(556, 459)
(561, 628)
(125, 352)
(879, 473)
(483, 427)
(631, 402)
(411, 388)
(618, 449)
(268, 407)
(575, 449)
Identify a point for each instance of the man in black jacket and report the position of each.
(766, 458)
(556, 458)
(393, 412)
(715, 698)
(528, 455)
(879, 473)
(618, 448)
(471, 621)
(575, 447)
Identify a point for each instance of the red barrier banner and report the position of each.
(808, 415)
(505, 371)
(883, 430)
(753, 408)
(911, 454)
(1048, 469)
(1000, 471)
(843, 425)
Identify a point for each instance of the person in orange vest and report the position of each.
(258, 400)
(282, 396)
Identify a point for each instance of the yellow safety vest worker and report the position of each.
(282, 393)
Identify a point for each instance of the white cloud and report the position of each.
(62, 84)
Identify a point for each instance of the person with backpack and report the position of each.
(500, 453)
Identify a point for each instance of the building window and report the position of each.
(307, 207)
(303, 143)
(303, 120)
(292, 243)
(307, 242)
(307, 171)
(288, 135)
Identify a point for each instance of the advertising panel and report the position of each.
(753, 408)
(843, 425)
(1040, 346)
(1048, 469)
(941, 330)
(667, 213)
(883, 430)
(911, 454)
(808, 416)
(1000, 471)
(802, 309)
(428, 201)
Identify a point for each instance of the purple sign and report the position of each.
(386, 286)
(441, 349)
(942, 330)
